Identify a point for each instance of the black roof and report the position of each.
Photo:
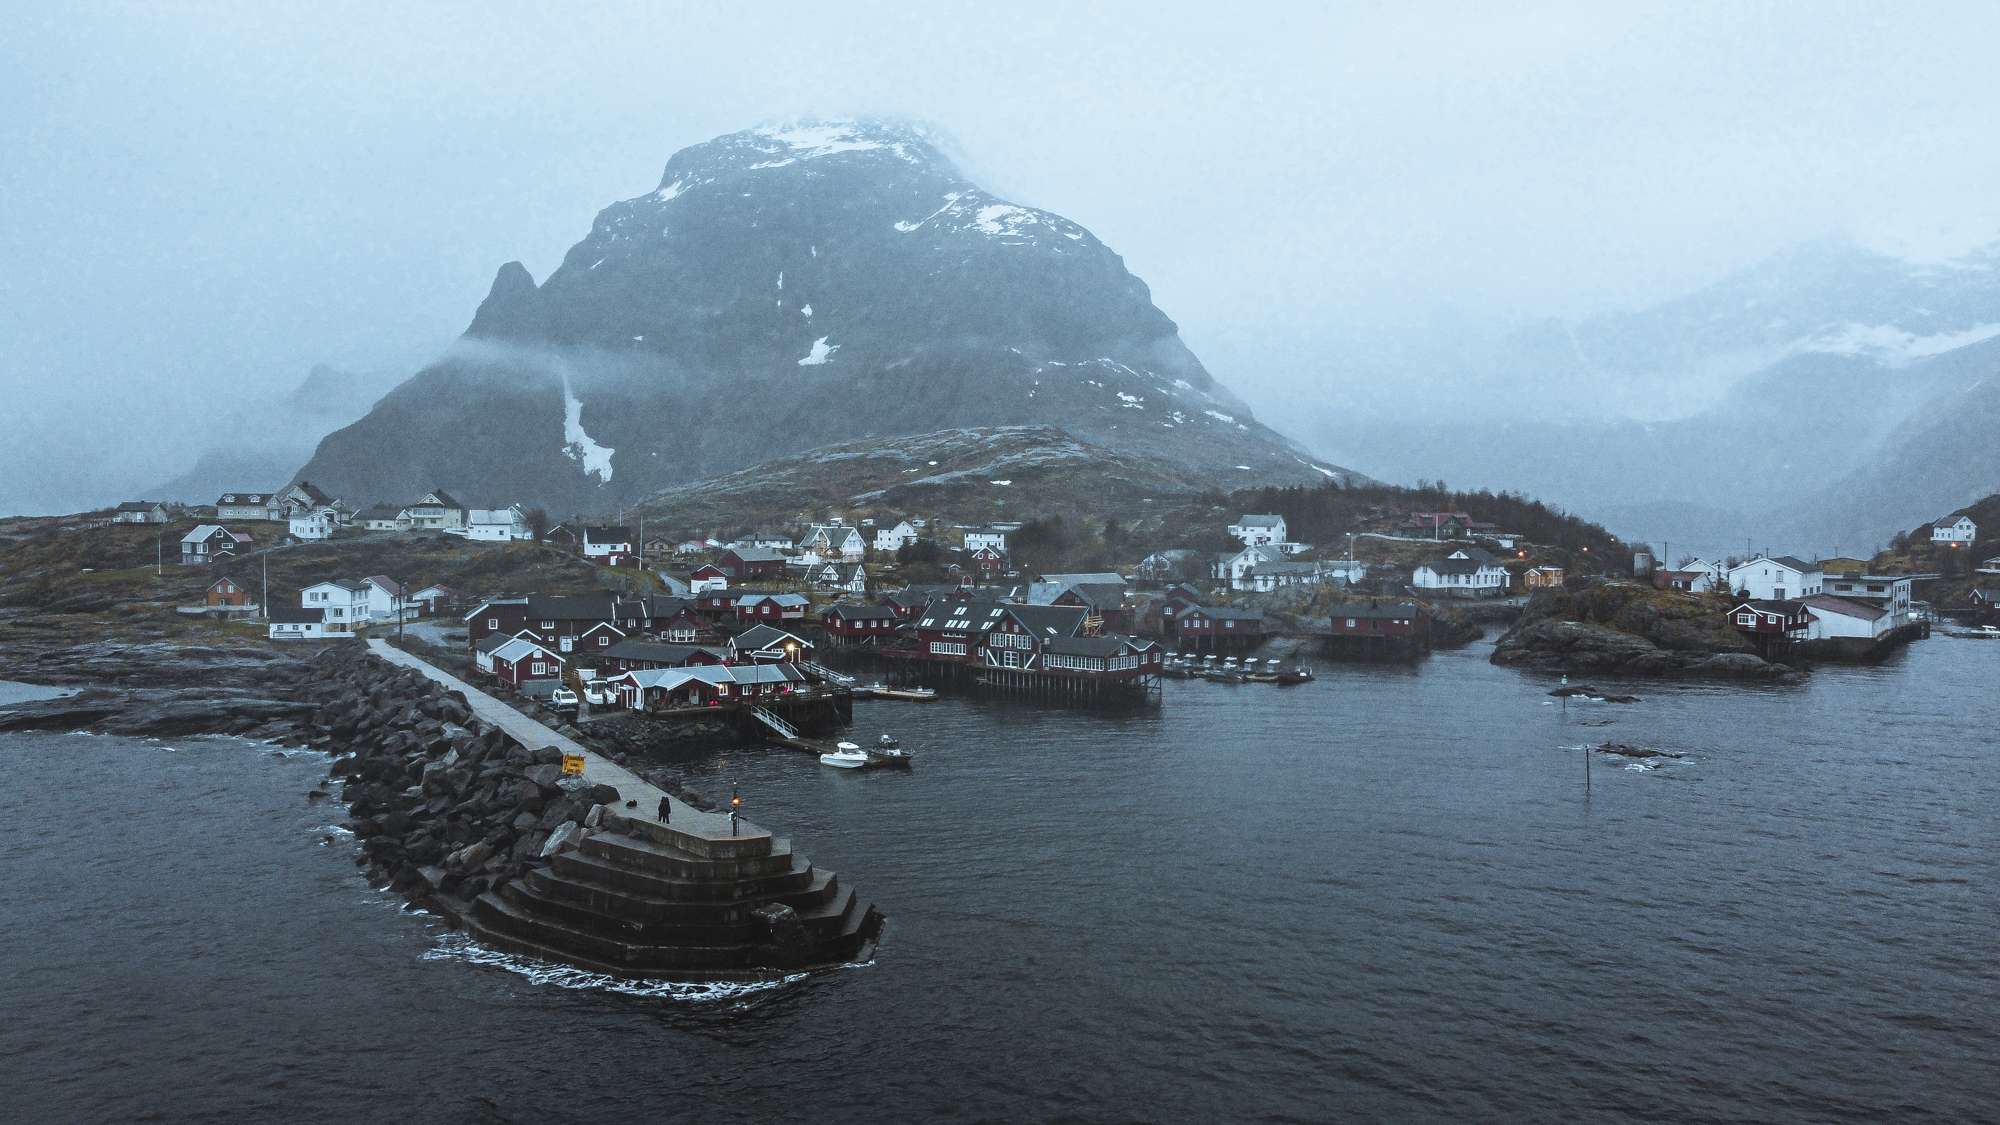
(655, 651)
(295, 615)
(759, 637)
(572, 607)
(848, 612)
(1389, 610)
(444, 500)
(608, 534)
(1226, 613)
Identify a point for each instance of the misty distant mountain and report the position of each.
(787, 288)
(256, 443)
(1736, 412)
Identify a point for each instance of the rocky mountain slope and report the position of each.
(787, 288)
(963, 476)
(1730, 411)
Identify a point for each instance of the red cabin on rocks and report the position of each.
(1764, 617)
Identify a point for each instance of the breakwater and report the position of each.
(462, 817)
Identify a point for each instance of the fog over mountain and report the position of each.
(1578, 250)
(788, 287)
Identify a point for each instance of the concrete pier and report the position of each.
(687, 899)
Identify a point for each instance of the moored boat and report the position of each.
(846, 756)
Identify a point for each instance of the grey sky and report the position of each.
(206, 200)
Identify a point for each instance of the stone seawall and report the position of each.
(457, 815)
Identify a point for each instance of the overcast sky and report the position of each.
(202, 201)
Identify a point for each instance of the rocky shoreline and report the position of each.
(1622, 629)
(444, 806)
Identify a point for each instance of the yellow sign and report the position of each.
(572, 765)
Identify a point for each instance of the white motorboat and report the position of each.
(846, 756)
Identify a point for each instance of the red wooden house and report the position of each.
(748, 564)
(988, 562)
(1388, 619)
(1765, 617)
(1218, 627)
(225, 592)
(495, 616)
(860, 622)
(521, 660)
(635, 656)
(766, 608)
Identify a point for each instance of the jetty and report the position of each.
(699, 895)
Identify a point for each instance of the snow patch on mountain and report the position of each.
(1891, 344)
(578, 446)
(821, 353)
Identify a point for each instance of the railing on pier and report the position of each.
(839, 679)
(770, 719)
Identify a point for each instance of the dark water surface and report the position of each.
(1385, 895)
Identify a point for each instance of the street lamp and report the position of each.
(735, 806)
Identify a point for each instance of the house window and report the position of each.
(492, 623)
(1746, 619)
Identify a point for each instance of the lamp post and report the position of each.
(735, 806)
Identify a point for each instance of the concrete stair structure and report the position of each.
(642, 899)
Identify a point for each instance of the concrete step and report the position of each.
(585, 897)
(496, 913)
(665, 859)
(607, 870)
(511, 943)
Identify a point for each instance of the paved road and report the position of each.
(597, 769)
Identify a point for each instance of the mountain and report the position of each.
(259, 441)
(973, 476)
(1726, 413)
(787, 288)
(1944, 458)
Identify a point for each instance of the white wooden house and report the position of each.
(436, 510)
(1238, 567)
(249, 506)
(835, 542)
(314, 524)
(141, 511)
(497, 525)
(1779, 578)
(343, 603)
(1837, 617)
(1954, 530)
(608, 545)
(893, 539)
(288, 624)
(1255, 529)
(993, 537)
(1468, 572)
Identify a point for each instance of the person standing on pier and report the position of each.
(666, 807)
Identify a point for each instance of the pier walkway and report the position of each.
(597, 769)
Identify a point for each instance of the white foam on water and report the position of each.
(458, 947)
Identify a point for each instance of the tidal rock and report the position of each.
(558, 839)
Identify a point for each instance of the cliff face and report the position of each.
(787, 288)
